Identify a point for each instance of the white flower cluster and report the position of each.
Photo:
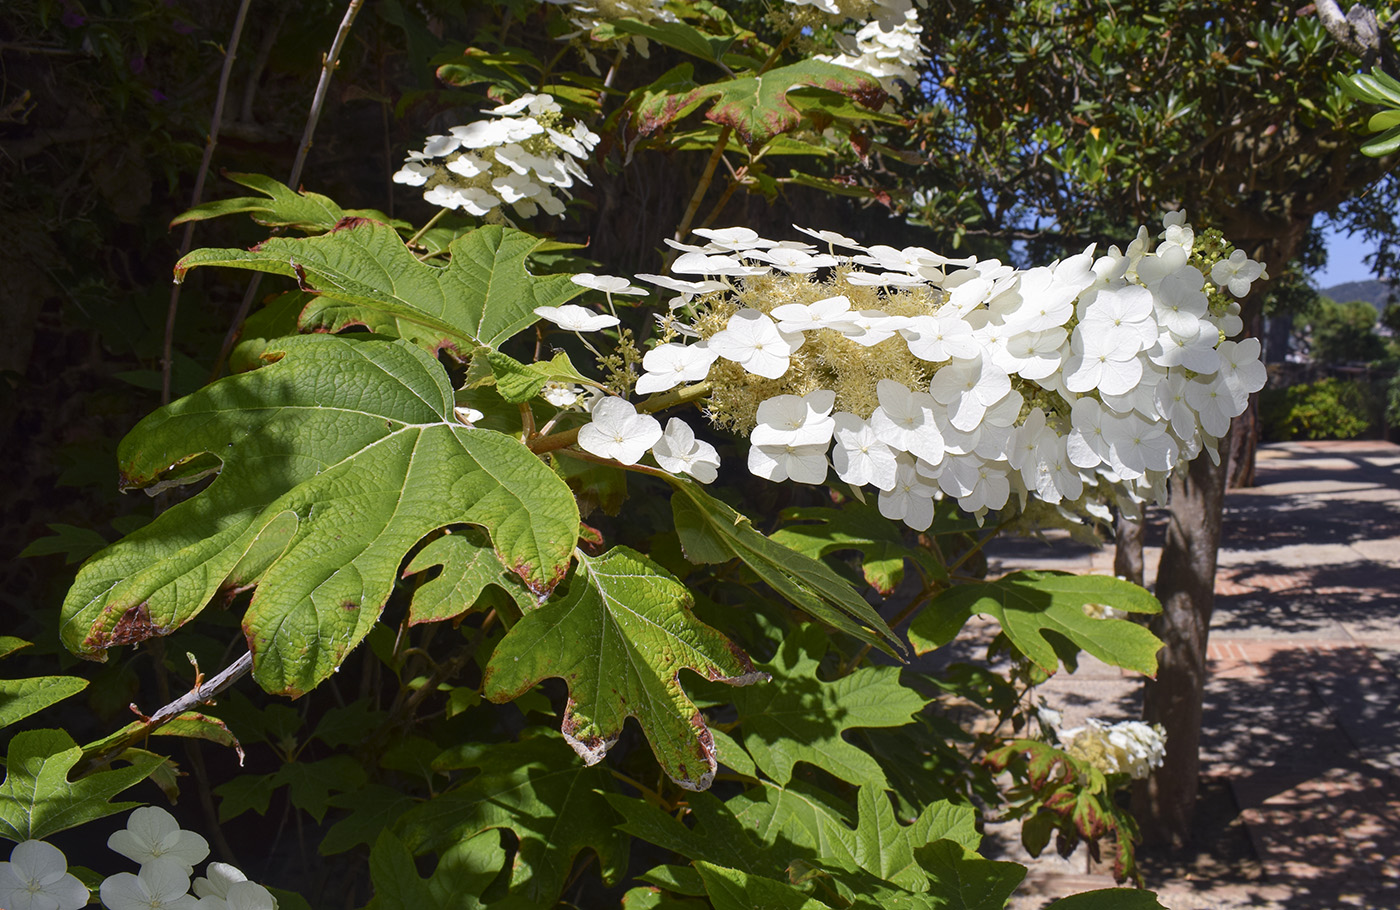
(37, 877)
(516, 160)
(1130, 747)
(889, 51)
(1082, 382)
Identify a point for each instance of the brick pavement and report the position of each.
(1301, 739)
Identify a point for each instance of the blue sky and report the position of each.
(1345, 259)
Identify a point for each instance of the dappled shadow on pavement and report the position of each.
(1301, 805)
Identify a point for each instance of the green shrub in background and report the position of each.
(1330, 408)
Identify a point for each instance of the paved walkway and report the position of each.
(1300, 805)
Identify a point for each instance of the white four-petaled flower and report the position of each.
(152, 834)
(37, 878)
(618, 432)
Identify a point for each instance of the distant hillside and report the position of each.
(1373, 292)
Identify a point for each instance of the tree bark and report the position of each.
(1127, 553)
(1165, 802)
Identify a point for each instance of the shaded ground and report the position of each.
(1300, 803)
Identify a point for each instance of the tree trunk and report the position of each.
(1127, 553)
(1164, 804)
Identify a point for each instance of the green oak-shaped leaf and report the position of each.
(363, 274)
(469, 567)
(463, 871)
(757, 107)
(883, 847)
(620, 637)
(337, 460)
(535, 789)
(1029, 604)
(732, 889)
(714, 835)
(798, 717)
(37, 799)
(878, 844)
(959, 879)
(20, 698)
(712, 532)
(279, 206)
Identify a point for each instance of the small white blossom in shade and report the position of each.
(909, 500)
(575, 318)
(827, 313)
(608, 284)
(414, 173)
(217, 879)
(679, 452)
(538, 104)
(976, 482)
(967, 388)
(1057, 479)
(859, 456)
(1241, 370)
(1236, 273)
(151, 833)
(941, 337)
(790, 420)
(804, 464)
(619, 432)
(905, 422)
(240, 896)
(1172, 405)
(561, 394)
(471, 199)
(516, 187)
(669, 365)
(37, 878)
(752, 340)
(466, 166)
(160, 885)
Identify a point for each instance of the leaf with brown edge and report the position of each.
(619, 638)
(757, 107)
(337, 460)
